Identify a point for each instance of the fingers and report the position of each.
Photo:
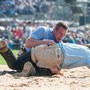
(50, 42)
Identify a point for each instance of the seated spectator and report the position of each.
(71, 40)
(1, 33)
(10, 44)
(16, 43)
(79, 41)
(5, 33)
(44, 7)
(88, 40)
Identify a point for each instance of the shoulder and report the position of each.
(46, 29)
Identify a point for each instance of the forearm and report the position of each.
(32, 43)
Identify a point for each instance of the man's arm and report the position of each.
(31, 42)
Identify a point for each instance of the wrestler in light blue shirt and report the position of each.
(74, 55)
(41, 34)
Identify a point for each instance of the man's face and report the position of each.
(59, 34)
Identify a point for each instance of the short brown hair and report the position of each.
(61, 24)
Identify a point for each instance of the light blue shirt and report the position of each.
(43, 33)
(75, 56)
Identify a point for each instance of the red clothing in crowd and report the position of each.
(20, 33)
(15, 33)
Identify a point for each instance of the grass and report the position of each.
(3, 62)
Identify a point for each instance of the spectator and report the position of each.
(5, 33)
(16, 43)
(1, 33)
(20, 32)
(71, 40)
(28, 27)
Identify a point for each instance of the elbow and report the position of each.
(27, 45)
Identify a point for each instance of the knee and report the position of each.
(3, 46)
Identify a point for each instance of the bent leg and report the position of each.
(27, 70)
(7, 54)
(12, 62)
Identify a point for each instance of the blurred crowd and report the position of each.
(10, 7)
(78, 37)
(17, 33)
